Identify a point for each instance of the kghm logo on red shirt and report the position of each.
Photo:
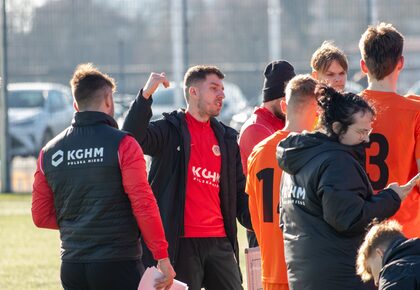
(216, 150)
(205, 176)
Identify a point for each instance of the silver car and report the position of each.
(37, 112)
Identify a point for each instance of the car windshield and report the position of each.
(25, 99)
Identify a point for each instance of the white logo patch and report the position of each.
(292, 193)
(203, 175)
(79, 156)
(86, 155)
(57, 158)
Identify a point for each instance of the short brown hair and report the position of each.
(381, 48)
(380, 234)
(300, 89)
(88, 83)
(199, 73)
(325, 55)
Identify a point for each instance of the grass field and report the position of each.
(30, 257)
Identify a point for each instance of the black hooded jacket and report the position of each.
(168, 142)
(326, 204)
(401, 266)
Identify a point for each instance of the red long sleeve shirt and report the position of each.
(259, 126)
(134, 179)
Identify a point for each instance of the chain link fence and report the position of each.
(130, 38)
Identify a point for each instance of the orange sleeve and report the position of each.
(417, 137)
(250, 189)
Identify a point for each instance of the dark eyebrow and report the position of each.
(217, 85)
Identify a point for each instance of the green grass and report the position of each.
(29, 256)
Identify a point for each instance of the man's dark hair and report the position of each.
(199, 73)
(339, 107)
(88, 85)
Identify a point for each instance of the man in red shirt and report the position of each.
(91, 185)
(196, 176)
(266, 119)
(393, 154)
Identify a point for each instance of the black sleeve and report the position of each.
(242, 209)
(346, 203)
(150, 136)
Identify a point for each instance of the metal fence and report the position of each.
(128, 39)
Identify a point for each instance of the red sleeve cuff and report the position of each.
(160, 254)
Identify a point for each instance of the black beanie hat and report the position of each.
(277, 74)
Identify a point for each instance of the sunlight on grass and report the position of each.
(30, 257)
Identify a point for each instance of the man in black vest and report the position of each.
(91, 184)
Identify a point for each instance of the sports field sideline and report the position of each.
(30, 257)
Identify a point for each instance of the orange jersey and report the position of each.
(394, 148)
(262, 186)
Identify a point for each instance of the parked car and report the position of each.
(164, 101)
(37, 112)
(121, 104)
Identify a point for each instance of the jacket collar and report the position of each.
(268, 116)
(88, 118)
(177, 116)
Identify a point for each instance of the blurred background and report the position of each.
(44, 40)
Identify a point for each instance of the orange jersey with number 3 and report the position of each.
(262, 186)
(394, 148)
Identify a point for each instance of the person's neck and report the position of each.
(297, 125)
(387, 84)
(268, 106)
(196, 115)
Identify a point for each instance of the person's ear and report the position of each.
(108, 99)
(363, 67)
(400, 64)
(75, 106)
(192, 91)
(283, 106)
(379, 252)
(336, 127)
(314, 74)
